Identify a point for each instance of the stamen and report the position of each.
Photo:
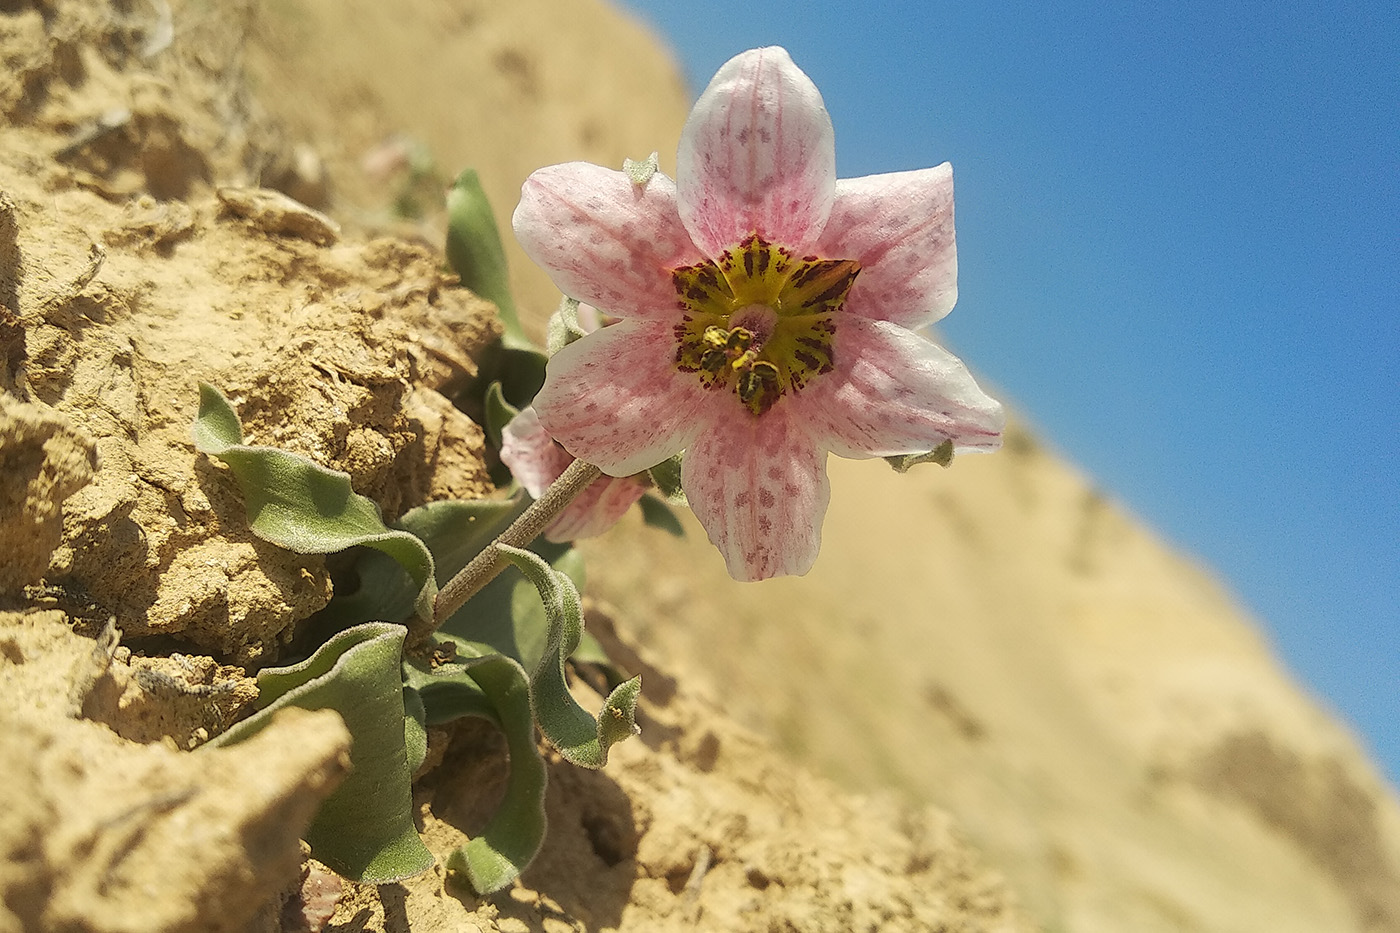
(712, 361)
(715, 337)
(758, 320)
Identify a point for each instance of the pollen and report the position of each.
(760, 321)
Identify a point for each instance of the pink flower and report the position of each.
(536, 461)
(768, 314)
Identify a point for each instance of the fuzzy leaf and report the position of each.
(415, 730)
(475, 253)
(489, 685)
(579, 737)
(510, 841)
(364, 830)
(454, 531)
(302, 506)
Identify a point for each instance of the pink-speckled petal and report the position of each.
(614, 399)
(757, 153)
(604, 240)
(597, 508)
(759, 488)
(900, 228)
(894, 392)
(530, 453)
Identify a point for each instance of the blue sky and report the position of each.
(1179, 254)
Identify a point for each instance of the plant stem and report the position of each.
(484, 566)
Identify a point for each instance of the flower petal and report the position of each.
(530, 453)
(758, 153)
(537, 461)
(614, 398)
(894, 392)
(596, 509)
(758, 485)
(604, 240)
(899, 227)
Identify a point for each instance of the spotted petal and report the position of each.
(759, 488)
(899, 227)
(537, 461)
(596, 509)
(530, 453)
(604, 240)
(894, 392)
(758, 153)
(614, 399)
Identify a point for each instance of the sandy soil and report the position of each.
(140, 253)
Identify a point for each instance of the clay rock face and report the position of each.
(43, 461)
(91, 820)
(135, 262)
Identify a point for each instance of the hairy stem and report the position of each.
(484, 567)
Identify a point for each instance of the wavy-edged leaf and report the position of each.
(454, 531)
(487, 684)
(364, 830)
(579, 737)
(415, 730)
(303, 506)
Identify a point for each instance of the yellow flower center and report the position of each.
(759, 319)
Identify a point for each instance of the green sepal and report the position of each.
(364, 830)
(579, 737)
(475, 253)
(640, 172)
(941, 455)
(564, 327)
(659, 514)
(303, 506)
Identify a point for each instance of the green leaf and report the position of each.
(658, 514)
(475, 253)
(941, 455)
(302, 506)
(454, 531)
(499, 413)
(415, 730)
(494, 687)
(489, 616)
(364, 830)
(667, 477)
(579, 737)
